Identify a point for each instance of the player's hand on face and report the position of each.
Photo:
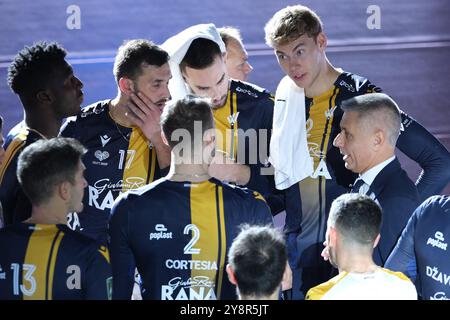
(145, 114)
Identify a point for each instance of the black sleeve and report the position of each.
(262, 214)
(98, 284)
(422, 147)
(259, 180)
(122, 258)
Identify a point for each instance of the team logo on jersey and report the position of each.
(194, 288)
(95, 110)
(437, 241)
(105, 139)
(102, 185)
(439, 296)
(160, 233)
(233, 118)
(101, 155)
(247, 91)
(329, 113)
(348, 86)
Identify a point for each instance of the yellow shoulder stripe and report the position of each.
(104, 252)
(397, 274)
(16, 144)
(317, 292)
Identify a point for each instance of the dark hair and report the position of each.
(33, 67)
(183, 113)
(47, 163)
(201, 54)
(1, 123)
(356, 217)
(258, 258)
(377, 108)
(133, 53)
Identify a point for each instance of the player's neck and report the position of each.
(48, 214)
(43, 124)
(324, 81)
(188, 172)
(357, 263)
(118, 110)
(273, 296)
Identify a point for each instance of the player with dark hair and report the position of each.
(353, 232)
(123, 135)
(257, 263)
(177, 230)
(49, 92)
(242, 112)
(42, 259)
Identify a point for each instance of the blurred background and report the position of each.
(408, 56)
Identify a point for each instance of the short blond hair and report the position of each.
(291, 23)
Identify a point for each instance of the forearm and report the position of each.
(162, 154)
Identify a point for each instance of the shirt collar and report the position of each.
(372, 173)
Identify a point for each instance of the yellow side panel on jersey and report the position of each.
(223, 242)
(136, 166)
(12, 150)
(226, 138)
(209, 245)
(39, 264)
(318, 127)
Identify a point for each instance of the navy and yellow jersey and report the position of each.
(308, 202)
(178, 234)
(247, 107)
(16, 206)
(422, 252)
(118, 159)
(50, 262)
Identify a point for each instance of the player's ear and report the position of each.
(379, 138)
(322, 41)
(64, 190)
(45, 96)
(231, 275)
(126, 86)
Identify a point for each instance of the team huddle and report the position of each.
(168, 190)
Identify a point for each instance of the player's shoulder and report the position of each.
(249, 90)
(354, 84)
(21, 134)
(78, 241)
(89, 114)
(153, 190)
(437, 204)
(240, 192)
